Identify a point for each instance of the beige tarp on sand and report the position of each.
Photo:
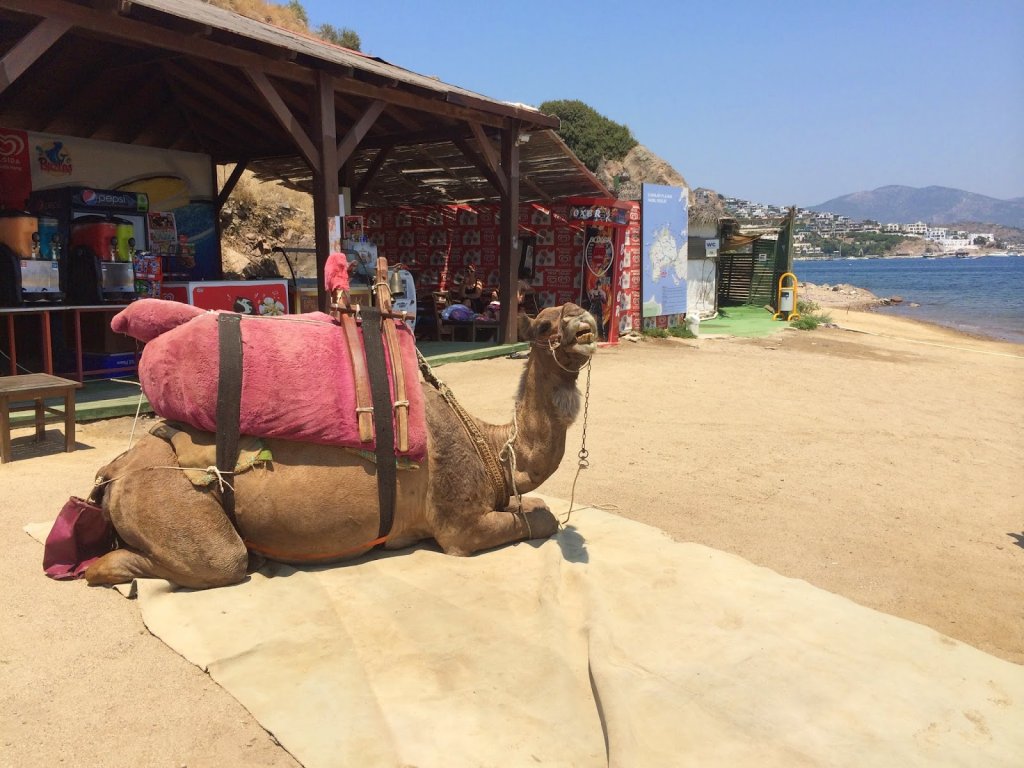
(607, 645)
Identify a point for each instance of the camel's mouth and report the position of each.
(585, 335)
(584, 339)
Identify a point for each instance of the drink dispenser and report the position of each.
(95, 228)
(25, 274)
(97, 270)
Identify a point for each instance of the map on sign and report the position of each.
(664, 232)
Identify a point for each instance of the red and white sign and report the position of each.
(247, 297)
(15, 169)
(170, 291)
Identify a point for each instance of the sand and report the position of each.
(880, 460)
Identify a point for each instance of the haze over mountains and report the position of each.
(932, 205)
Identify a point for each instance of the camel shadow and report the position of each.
(573, 545)
(1018, 539)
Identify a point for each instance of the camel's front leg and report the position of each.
(494, 529)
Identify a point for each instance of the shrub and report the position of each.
(655, 333)
(805, 323)
(591, 135)
(811, 320)
(676, 331)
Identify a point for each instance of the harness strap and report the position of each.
(357, 361)
(229, 402)
(401, 404)
(499, 482)
(380, 388)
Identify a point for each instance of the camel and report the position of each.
(319, 504)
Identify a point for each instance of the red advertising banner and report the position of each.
(15, 169)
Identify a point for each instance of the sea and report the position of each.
(982, 295)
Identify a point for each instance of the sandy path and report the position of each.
(881, 461)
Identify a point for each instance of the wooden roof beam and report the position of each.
(284, 116)
(206, 86)
(358, 131)
(369, 175)
(489, 155)
(536, 188)
(30, 48)
(474, 157)
(229, 184)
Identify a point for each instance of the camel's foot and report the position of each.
(494, 529)
(542, 523)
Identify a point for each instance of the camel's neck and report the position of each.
(547, 403)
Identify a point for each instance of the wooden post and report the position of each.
(508, 259)
(325, 178)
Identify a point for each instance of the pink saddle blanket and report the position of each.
(297, 380)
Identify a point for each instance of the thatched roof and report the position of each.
(440, 172)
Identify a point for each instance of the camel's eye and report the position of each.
(544, 328)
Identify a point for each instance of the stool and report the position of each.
(34, 389)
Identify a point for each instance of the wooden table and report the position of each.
(34, 389)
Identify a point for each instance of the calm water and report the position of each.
(979, 295)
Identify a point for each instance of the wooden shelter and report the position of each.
(185, 75)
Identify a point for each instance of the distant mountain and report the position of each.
(932, 205)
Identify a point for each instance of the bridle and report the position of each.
(503, 485)
(508, 451)
(553, 341)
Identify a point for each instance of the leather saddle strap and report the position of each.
(401, 403)
(380, 388)
(229, 404)
(357, 361)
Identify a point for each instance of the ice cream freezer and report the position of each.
(247, 297)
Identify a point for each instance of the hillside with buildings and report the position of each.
(825, 233)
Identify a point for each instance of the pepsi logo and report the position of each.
(89, 196)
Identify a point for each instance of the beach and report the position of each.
(879, 459)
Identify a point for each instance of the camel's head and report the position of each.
(568, 328)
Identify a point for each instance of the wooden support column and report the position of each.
(508, 258)
(325, 178)
(229, 185)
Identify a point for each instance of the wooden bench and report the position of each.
(34, 389)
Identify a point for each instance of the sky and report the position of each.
(786, 103)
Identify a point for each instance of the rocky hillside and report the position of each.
(257, 221)
(639, 166)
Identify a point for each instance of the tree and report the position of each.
(592, 136)
(345, 37)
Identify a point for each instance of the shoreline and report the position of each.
(844, 296)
